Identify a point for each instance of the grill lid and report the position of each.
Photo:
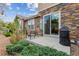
(64, 28)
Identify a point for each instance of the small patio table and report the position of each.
(32, 34)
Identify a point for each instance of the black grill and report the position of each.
(64, 36)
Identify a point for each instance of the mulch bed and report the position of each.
(4, 41)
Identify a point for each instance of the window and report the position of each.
(41, 24)
(31, 24)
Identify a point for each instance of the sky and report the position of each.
(13, 9)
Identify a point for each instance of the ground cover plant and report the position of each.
(26, 48)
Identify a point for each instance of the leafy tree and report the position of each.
(16, 21)
(2, 24)
(13, 26)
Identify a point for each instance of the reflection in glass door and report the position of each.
(51, 24)
(54, 23)
(47, 24)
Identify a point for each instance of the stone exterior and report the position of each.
(74, 50)
(69, 17)
(37, 21)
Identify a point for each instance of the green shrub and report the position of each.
(28, 49)
(23, 42)
(7, 34)
(14, 48)
(41, 51)
(9, 49)
(31, 50)
(17, 48)
(45, 51)
(60, 53)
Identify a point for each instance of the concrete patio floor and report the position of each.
(50, 41)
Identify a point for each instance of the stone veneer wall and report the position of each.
(37, 21)
(69, 16)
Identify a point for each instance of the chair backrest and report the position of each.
(28, 31)
(37, 30)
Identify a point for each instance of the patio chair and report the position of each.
(38, 32)
(31, 34)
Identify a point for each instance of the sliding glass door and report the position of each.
(47, 24)
(54, 23)
(51, 23)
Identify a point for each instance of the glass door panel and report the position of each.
(47, 24)
(54, 23)
(51, 23)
